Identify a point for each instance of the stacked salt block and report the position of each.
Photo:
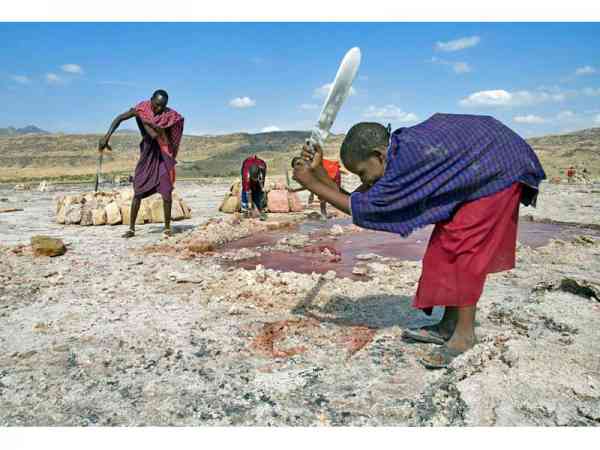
(279, 199)
(112, 208)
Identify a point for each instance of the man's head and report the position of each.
(159, 101)
(364, 151)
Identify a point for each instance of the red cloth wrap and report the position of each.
(170, 121)
(479, 239)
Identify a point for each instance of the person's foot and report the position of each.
(461, 343)
(262, 216)
(167, 232)
(128, 234)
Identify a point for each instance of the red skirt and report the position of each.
(480, 238)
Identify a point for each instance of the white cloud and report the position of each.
(500, 97)
(390, 112)
(72, 68)
(592, 92)
(270, 129)
(21, 79)
(597, 119)
(458, 66)
(242, 102)
(308, 106)
(566, 115)
(585, 70)
(52, 78)
(458, 44)
(323, 91)
(529, 119)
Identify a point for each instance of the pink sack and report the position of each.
(277, 201)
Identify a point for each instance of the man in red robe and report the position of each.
(467, 175)
(162, 129)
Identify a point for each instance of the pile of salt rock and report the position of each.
(279, 199)
(113, 208)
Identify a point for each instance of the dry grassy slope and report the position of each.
(580, 149)
(54, 156)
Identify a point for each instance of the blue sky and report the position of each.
(538, 78)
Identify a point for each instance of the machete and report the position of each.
(339, 92)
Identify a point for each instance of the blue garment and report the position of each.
(258, 199)
(435, 166)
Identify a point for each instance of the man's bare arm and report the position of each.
(114, 125)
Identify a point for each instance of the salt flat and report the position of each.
(116, 333)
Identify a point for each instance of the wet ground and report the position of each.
(114, 334)
(342, 253)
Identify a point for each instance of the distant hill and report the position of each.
(580, 149)
(29, 129)
(71, 156)
(26, 157)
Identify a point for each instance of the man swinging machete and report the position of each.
(466, 174)
(162, 129)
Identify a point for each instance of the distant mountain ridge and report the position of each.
(74, 156)
(29, 129)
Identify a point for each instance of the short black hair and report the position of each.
(362, 140)
(161, 93)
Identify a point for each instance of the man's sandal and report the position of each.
(128, 234)
(427, 335)
(439, 358)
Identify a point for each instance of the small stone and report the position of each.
(41, 327)
(377, 267)
(360, 270)
(330, 275)
(47, 246)
(367, 256)
(336, 230)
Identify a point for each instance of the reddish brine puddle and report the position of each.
(341, 252)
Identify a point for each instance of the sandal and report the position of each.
(128, 234)
(427, 335)
(439, 358)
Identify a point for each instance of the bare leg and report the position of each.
(448, 323)
(324, 210)
(463, 337)
(167, 211)
(135, 208)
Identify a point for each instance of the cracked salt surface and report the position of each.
(109, 334)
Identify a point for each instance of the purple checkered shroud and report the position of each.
(435, 166)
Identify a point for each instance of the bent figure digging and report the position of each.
(467, 175)
(162, 129)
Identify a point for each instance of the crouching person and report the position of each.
(254, 198)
